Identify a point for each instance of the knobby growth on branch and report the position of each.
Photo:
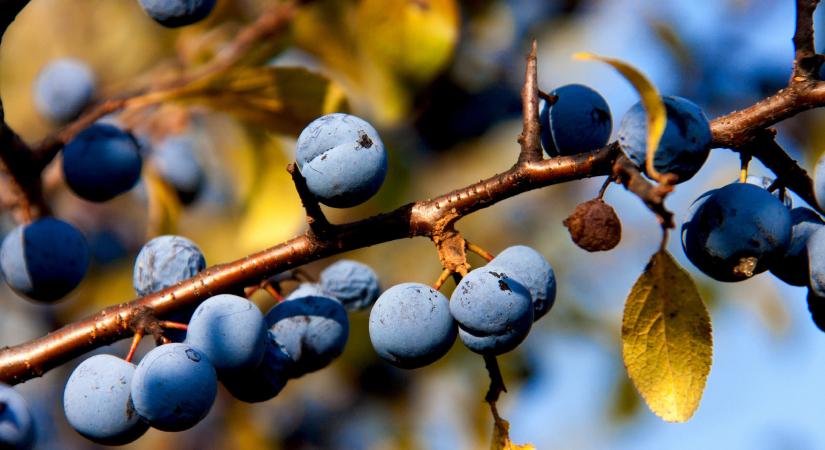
(745, 131)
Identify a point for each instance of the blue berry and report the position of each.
(493, 344)
(174, 158)
(793, 267)
(411, 326)
(263, 382)
(342, 159)
(578, 121)
(765, 183)
(531, 269)
(819, 181)
(101, 162)
(63, 88)
(97, 401)
(177, 13)
(685, 144)
(17, 429)
(174, 387)
(166, 261)
(45, 259)
(489, 301)
(306, 290)
(816, 306)
(230, 331)
(354, 284)
(736, 231)
(816, 262)
(311, 330)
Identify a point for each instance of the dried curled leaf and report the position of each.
(666, 339)
(281, 99)
(594, 226)
(501, 437)
(651, 100)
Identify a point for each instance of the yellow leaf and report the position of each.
(666, 339)
(281, 99)
(414, 38)
(273, 212)
(651, 100)
(381, 50)
(164, 205)
(501, 436)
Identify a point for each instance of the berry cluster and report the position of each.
(112, 401)
(491, 310)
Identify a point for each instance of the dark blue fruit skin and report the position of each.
(489, 301)
(311, 330)
(819, 181)
(263, 382)
(411, 326)
(531, 269)
(174, 387)
(579, 121)
(354, 284)
(307, 290)
(685, 144)
(493, 344)
(166, 261)
(174, 158)
(733, 222)
(177, 13)
(342, 159)
(816, 306)
(63, 88)
(765, 183)
(816, 262)
(230, 331)
(17, 429)
(793, 267)
(97, 401)
(44, 260)
(101, 162)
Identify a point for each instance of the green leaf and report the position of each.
(281, 99)
(666, 339)
(651, 100)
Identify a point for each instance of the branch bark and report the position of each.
(806, 61)
(431, 218)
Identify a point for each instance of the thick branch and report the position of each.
(806, 61)
(423, 218)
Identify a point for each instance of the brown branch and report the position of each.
(21, 174)
(431, 218)
(627, 173)
(316, 219)
(806, 61)
(764, 147)
(530, 138)
(422, 218)
(269, 24)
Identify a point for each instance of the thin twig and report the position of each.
(479, 251)
(530, 138)
(442, 279)
(806, 61)
(316, 219)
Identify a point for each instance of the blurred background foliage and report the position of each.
(440, 79)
